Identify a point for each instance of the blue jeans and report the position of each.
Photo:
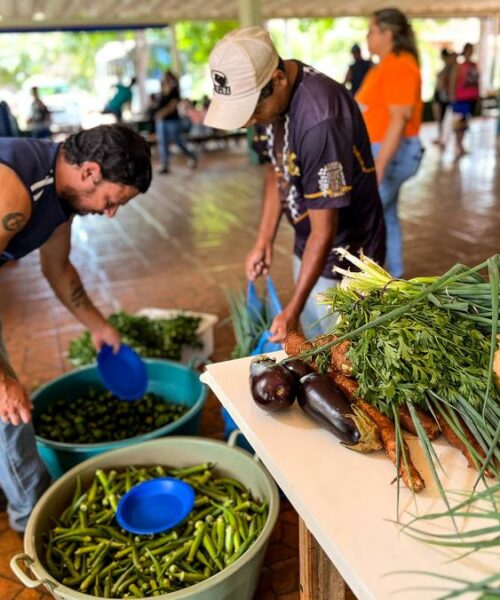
(403, 165)
(168, 132)
(315, 319)
(23, 476)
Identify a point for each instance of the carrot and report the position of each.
(339, 358)
(410, 476)
(295, 343)
(428, 422)
(457, 442)
(408, 472)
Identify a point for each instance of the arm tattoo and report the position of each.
(13, 221)
(78, 296)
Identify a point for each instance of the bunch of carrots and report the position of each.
(417, 355)
(339, 371)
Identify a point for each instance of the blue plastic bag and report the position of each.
(256, 307)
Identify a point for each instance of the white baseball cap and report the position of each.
(240, 64)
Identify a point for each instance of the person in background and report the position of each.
(43, 186)
(196, 114)
(357, 70)
(442, 93)
(121, 98)
(321, 173)
(39, 120)
(464, 86)
(169, 124)
(390, 99)
(152, 107)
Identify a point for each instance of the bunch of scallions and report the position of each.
(427, 342)
(482, 509)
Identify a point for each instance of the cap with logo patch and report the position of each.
(240, 65)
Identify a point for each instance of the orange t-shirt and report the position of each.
(394, 81)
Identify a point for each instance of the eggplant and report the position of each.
(320, 398)
(273, 386)
(299, 368)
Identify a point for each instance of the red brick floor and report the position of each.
(183, 243)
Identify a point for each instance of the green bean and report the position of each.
(119, 582)
(211, 493)
(191, 577)
(150, 544)
(89, 552)
(220, 527)
(207, 543)
(171, 558)
(95, 568)
(229, 517)
(156, 564)
(243, 548)
(135, 590)
(187, 471)
(54, 569)
(233, 482)
(242, 526)
(107, 586)
(200, 528)
(236, 540)
(228, 542)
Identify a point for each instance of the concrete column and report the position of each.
(486, 53)
(249, 13)
(176, 62)
(141, 56)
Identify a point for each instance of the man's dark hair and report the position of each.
(123, 155)
(267, 90)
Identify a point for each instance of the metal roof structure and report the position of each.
(74, 14)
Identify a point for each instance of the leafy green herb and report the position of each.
(400, 360)
(151, 338)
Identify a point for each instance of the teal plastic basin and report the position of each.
(173, 382)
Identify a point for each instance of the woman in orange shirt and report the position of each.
(392, 108)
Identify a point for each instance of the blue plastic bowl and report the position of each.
(155, 506)
(172, 381)
(123, 373)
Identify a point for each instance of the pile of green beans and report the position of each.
(87, 551)
(99, 416)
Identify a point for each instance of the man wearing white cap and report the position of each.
(321, 173)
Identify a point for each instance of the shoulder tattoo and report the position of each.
(13, 221)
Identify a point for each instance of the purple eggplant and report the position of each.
(319, 397)
(298, 367)
(273, 386)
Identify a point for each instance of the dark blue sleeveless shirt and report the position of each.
(34, 163)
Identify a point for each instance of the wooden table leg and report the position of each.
(319, 579)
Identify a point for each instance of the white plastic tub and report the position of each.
(205, 329)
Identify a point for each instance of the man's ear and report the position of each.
(279, 78)
(91, 170)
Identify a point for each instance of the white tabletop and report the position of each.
(348, 500)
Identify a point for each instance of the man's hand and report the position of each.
(258, 261)
(283, 323)
(15, 405)
(105, 334)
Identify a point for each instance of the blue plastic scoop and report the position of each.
(123, 373)
(155, 506)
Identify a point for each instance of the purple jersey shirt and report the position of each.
(322, 157)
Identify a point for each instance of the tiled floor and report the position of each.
(184, 242)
